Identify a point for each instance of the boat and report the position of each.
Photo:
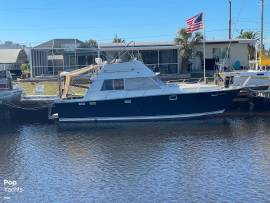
(9, 95)
(131, 91)
(258, 78)
(250, 80)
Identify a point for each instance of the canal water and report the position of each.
(208, 160)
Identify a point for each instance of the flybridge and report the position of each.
(105, 71)
(125, 70)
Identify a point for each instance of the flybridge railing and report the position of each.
(192, 80)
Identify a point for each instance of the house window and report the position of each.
(168, 56)
(117, 84)
(72, 60)
(150, 57)
(168, 68)
(2, 74)
(81, 60)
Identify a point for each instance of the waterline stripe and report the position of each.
(138, 118)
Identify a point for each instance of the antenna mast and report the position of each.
(262, 28)
(230, 19)
(261, 38)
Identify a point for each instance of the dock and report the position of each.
(38, 101)
(263, 94)
(36, 107)
(31, 107)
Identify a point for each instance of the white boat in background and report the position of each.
(8, 94)
(257, 78)
(251, 79)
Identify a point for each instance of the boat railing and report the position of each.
(191, 80)
(246, 81)
(260, 93)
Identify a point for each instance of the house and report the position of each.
(58, 55)
(12, 59)
(225, 53)
(162, 57)
(54, 56)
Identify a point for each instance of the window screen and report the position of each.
(2, 74)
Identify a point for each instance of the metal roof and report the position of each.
(172, 43)
(72, 44)
(60, 43)
(8, 56)
(167, 44)
(138, 45)
(233, 41)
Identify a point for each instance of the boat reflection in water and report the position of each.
(130, 91)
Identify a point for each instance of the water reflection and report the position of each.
(222, 159)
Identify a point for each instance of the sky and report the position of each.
(35, 21)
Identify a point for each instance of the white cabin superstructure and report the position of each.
(124, 80)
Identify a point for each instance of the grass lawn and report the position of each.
(50, 88)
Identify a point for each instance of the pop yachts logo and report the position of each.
(12, 186)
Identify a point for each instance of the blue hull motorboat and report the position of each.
(132, 92)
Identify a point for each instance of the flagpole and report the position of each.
(204, 65)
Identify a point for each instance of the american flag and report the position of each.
(195, 23)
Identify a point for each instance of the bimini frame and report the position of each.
(67, 76)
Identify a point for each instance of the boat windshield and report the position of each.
(130, 84)
(140, 84)
(158, 81)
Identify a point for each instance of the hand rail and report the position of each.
(190, 80)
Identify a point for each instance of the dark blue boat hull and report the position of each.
(146, 108)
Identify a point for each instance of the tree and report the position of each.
(249, 35)
(90, 44)
(187, 42)
(25, 70)
(116, 39)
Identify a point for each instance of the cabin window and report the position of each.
(117, 84)
(140, 84)
(107, 85)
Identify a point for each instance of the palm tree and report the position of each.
(89, 44)
(249, 35)
(187, 42)
(117, 39)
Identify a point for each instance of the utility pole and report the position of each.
(261, 39)
(262, 28)
(230, 19)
